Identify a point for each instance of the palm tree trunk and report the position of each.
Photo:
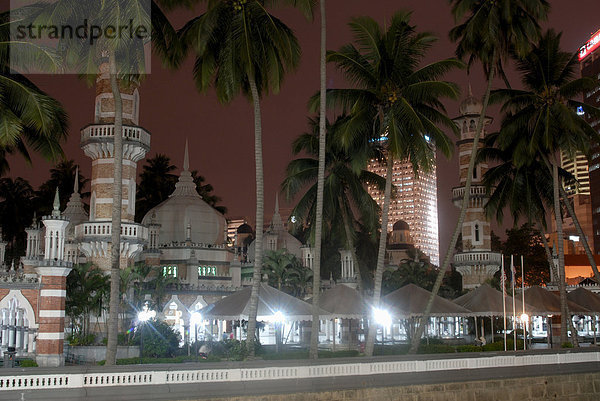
(260, 207)
(115, 255)
(583, 237)
(562, 288)
(350, 245)
(463, 210)
(553, 273)
(314, 334)
(380, 255)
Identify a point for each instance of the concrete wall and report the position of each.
(97, 353)
(574, 387)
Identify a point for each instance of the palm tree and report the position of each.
(488, 31)
(280, 266)
(242, 49)
(541, 120)
(16, 211)
(397, 100)
(125, 57)
(348, 202)
(62, 176)
(87, 292)
(157, 182)
(205, 190)
(29, 118)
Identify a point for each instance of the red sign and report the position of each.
(590, 46)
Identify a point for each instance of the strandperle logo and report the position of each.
(73, 37)
(89, 32)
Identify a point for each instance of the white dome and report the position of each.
(471, 105)
(185, 208)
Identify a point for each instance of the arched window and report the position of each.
(476, 232)
(472, 125)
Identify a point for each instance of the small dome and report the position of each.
(471, 105)
(244, 229)
(401, 225)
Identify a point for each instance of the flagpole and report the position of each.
(503, 283)
(523, 297)
(512, 272)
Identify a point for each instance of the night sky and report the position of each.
(221, 136)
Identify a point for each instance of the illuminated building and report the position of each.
(589, 60)
(415, 203)
(476, 262)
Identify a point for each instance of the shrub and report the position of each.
(566, 345)
(81, 340)
(469, 348)
(160, 340)
(28, 363)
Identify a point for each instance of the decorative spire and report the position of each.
(470, 90)
(56, 206)
(186, 158)
(76, 184)
(276, 222)
(185, 185)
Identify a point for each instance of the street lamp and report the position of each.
(143, 316)
(524, 320)
(278, 318)
(383, 318)
(195, 320)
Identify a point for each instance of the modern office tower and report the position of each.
(415, 203)
(579, 168)
(476, 262)
(589, 61)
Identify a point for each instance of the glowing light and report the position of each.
(278, 317)
(580, 111)
(590, 46)
(146, 314)
(382, 317)
(574, 238)
(524, 317)
(293, 219)
(195, 318)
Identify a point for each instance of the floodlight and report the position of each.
(382, 317)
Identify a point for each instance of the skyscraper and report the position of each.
(415, 203)
(589, 60)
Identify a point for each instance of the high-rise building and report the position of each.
(579, 168)
(415, 203)
(589, 60)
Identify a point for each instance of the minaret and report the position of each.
(76, 214)
(347, 272)
(53, 271)
(97, 142)
(476, 263)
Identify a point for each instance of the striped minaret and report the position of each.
(53, 271)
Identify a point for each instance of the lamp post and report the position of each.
(195, 319)
(525, 321)
(143, 316)
(383, 318)
(278, 318)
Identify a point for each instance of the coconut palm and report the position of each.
(541, 120)
(348, 202)
(62, 176)
(157, 182)
(242, 49)
(87, 293)
(16, 212)
(124, 55)
(29, 118)
(280, 266)
(396, 99)
(487, 32)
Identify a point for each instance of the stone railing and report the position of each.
(481, 258)
(101, 131)
(476, 190)
(184, 244)
(103, 229)
(228, 374)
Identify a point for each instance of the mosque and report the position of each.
(183, 235)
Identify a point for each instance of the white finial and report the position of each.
(186, 159)
(56, 206)
(470, 90)
(276, 202)
(76, 184)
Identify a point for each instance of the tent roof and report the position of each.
(585, 298)
(548, 303)
(343, 302)
(270, 300)
(487, 301)
(410, 301)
